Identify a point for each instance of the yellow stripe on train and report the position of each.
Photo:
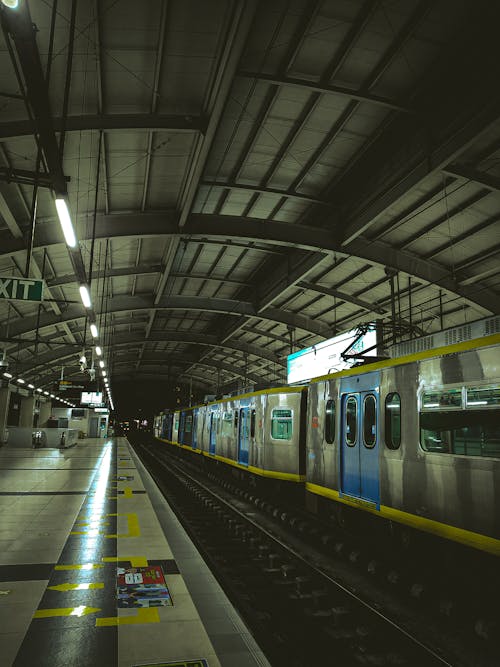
(467, 537)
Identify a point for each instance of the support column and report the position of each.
(45, 412)
(27, 410)
(4, 410)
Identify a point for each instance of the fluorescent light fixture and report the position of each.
(21, 381)
(7, 375)
(31, 386)
(40, 390)
(11, 4)
(103, 373)
(85, 296)
(66, 224)
(98, 350)
(101, 363)
(52, 396)
(93, 330)
(477, 402)
(45, 393)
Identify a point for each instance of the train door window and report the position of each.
(393, 420)
(252, 424)
(351, 418)
(227, 421)
(236, 420)
(330, 421)
(189, 424)
(370, 421)
(281, 424)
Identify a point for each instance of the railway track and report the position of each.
(296, 603)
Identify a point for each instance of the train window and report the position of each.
(252, 424)
(281, 424)
(393, 421)
(370, 421)
(330, 421)
(351, 417)
(235, 420)
(227, 423)
(189, 424)
(176, 424)
(439, 399)
(480, 397)
(474, 432)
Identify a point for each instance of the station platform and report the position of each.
(95, 568)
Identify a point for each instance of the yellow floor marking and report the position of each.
(133, 525)
(135, 561)
(148, 615)
(75, 587)
(65, 611)
(127, 493)
(85, 566)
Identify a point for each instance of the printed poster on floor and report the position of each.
(142, 587)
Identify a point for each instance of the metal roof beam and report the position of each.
(142, 302)
(148, 122)
(22, 30)
(325, 89)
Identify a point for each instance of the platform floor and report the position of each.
(96, 570)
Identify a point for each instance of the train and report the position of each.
(414, 440)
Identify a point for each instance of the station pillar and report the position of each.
(27, 411)
(4, 410)
(45, 412)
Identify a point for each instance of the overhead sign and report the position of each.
(326, 357)
(68, 384)
(21, 289)
(91, 398)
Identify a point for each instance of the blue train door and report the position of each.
(213, 432)
(359, 445)
(194, 442)
(244, 436)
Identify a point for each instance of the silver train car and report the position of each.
(261, 432)
(414, 440)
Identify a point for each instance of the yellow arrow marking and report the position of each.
(148, 615)
(65, 611)
(75, 587)
(135, 561)
(85, 566)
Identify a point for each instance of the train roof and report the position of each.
(464, 346)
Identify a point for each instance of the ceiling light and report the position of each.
(98, 350)
(52, 396)
(31, 386)
(21, 381)
(101, 363)
(93, 330)
(40, 390)
(85, 296)
(11, 4)
(103, 373)
(7, 375)
(65, 220)
(46, 393)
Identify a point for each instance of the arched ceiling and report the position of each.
(245, 178)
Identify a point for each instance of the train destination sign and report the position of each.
(21, 289)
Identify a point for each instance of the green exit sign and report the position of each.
(21, 289)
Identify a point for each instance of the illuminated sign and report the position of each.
(21, 289)
(91, 398)
(326, 358)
